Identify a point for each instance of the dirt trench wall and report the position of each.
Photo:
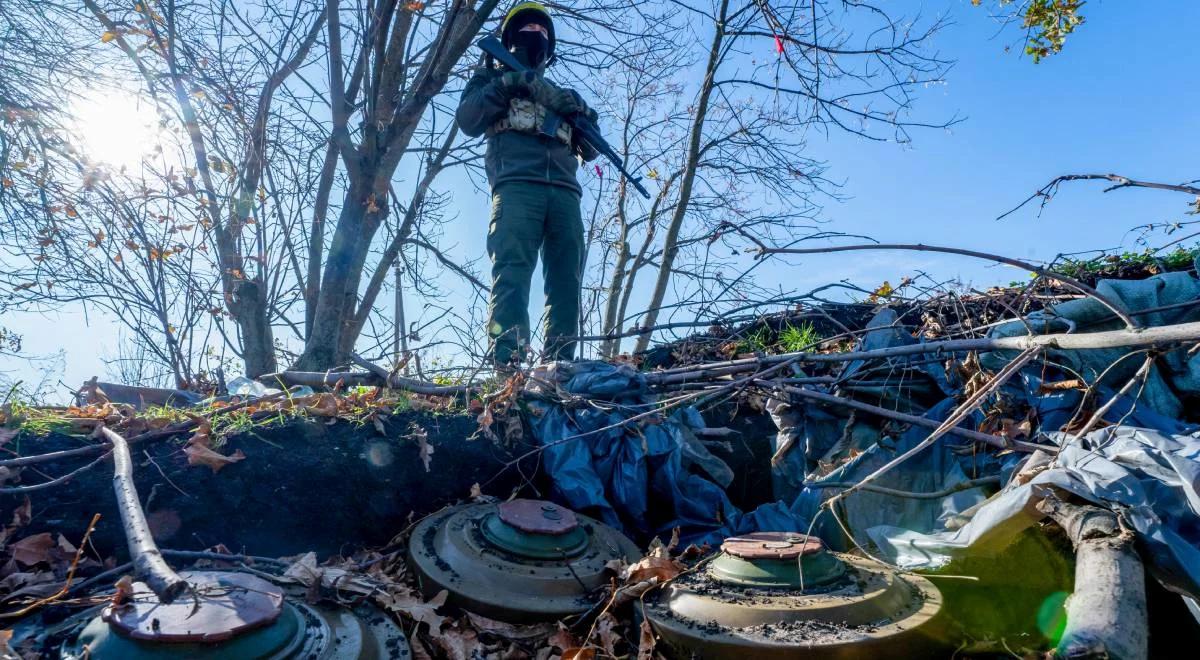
(304, 485)
(330, 488)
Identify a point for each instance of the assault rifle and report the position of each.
(586, 130)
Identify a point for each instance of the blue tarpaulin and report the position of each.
(647, 474)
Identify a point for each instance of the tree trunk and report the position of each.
(327, 342)
(258, 338)
(610, 347)
(316, 237)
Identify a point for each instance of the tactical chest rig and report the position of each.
(528, 116)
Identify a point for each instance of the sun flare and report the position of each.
(116, 129)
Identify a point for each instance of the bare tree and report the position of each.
(841, 66)
(400, 58)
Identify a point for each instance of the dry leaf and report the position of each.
(579, 654)
(201, 455)
(562, 639)
(633, 592)
(606, 631)
(326, 405)
(202, 436)
(421, 436)
(660, 568)
(485, 421)
(306, 571)
(23, 514)
(33, 549)
(124, 589)
(510, 631)
(417, 609)
(646, 642)
(457, 643)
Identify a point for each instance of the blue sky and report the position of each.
(1121, 98)
(1116, 100)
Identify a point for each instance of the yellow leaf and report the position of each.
(18, 166)
(883, 291)
(653, 173)
(107, 37)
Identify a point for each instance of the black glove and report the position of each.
(565, 102)
(586, 110)
(517, 83)
(577, 106)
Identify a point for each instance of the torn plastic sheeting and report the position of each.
(605, 465)
(883, 332)
(936, 468)
(1174, 372)
(1149, 478)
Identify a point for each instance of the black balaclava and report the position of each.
(531, 48)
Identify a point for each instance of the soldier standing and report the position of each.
(531, 167)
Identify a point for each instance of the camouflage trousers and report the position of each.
(528, 218)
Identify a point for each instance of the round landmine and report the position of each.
(775, 595)
(232, 615)
(518, 561)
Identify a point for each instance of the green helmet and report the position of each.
(522, 14)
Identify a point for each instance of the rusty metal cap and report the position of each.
(772, 545)
(538, 517)
(229, 604)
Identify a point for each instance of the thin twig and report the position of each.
(66, 588)
(914, 495)
(966, 408)
(17, 490)
(915, 420)
(764, 250)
